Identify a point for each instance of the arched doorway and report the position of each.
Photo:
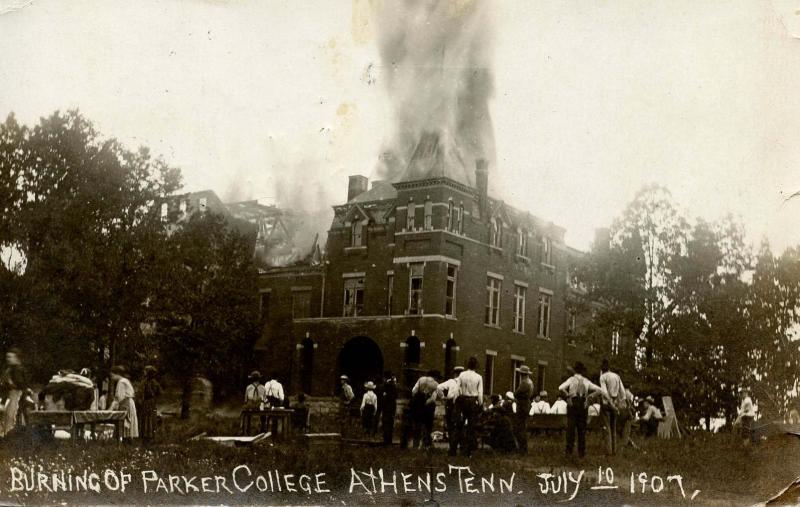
(450, 357)
(306, 365)
(361, 360)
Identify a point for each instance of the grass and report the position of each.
(716, 465)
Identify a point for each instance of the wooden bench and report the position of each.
(547, 422)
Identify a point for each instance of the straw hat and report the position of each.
(543, 394)
(524, 369)
(344, 377)
(254, 374)
(369, 385)
(458, 368)
(509, 395)
(650, 399)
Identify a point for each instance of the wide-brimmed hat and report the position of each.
(524, 369)
(649, 399)
(509, 395)
(369, 385)
(344, 377)
(458, 368)
(543, 394)
(254, 374)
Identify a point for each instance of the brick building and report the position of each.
(422, 274)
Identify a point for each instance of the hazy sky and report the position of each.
(284, 99)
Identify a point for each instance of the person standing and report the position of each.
(14, 382)
(449, 391)
(746, 417)
(345, 398)
(614, 402)
(123, 400)
(387, 405)
(254, 393)
(273, 393)
(423, 400)
(369, 405)
(151, 390)
(523, 395)
(469, 404)
(576, 389)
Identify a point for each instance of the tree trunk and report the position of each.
(186, 394)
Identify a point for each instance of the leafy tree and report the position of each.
(207, 314)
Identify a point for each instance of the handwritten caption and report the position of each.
(565, 485)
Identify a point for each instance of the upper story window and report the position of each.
(411, 213)
(353, 297)
(522, 242)
(547, 251)
(415, 288)
(389, 293)
(615, 342)
(263, 306)
(428, 215)
(451, 219)
(183, 206)
(357, 233)
(493, 286)
(461, 218)
(496, 233)
(520, 293)
(544, 314)
(450, 291)
(301, 304)
(572, 321)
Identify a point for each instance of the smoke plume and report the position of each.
(437, 67)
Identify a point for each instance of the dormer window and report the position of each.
(496, 233)
(356, 233)
(522, 242)
(461, 218)
(547, 251)
(428, 215)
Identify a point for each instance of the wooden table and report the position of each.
(77, 420)
(282, 417)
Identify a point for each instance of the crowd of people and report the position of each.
(68, 390)
(502, 422)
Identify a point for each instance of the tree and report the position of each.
(79, 207)
(208, 314)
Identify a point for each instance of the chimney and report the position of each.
(482, 183)
(357, 186)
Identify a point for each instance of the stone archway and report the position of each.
(361, 360)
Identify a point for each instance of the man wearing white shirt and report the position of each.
(747, 414)
(540, 405)
(611, 384)
(575, 390)
(468, 403)
(449, 391)
(273, 393)
(559, 406)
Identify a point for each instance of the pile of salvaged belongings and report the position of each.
(76, 391)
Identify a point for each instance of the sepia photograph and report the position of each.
(399, 252)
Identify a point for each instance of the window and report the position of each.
(413, 353)
(307, 364)
(353, 297)
(522, 242)
(263, 307)
(547, 251)
(389, 293)
(496, 233)
(615, 342)
(450, 350)
(203, 202)
(164, 210)
(540, 377)
(415, 289)
(451, 220)
(356, 233)
(572, 321)
(492, 316)
(461, 219)
(488, 376)
(515, 375)
(183, 206)
(301, 304)
(450, 292)
(428, 215)
(410, 216)
(544, 314)
(519, 308)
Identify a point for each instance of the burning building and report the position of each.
(423, 273)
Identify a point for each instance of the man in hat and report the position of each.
(387, 405)
(576, 389)
(449, 391)
(345, 398)
(652, 416)
(254, 393)
(423, 400)
(369, 405)
(523, 396)
(616, 401)
(469, 403)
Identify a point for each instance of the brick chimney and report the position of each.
(357, 186)
(482, 184)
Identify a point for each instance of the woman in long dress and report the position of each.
(123, 400)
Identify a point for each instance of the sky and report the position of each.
(282, 100)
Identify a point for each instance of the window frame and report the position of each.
(545, 306)
(520, 302)
(452, 281)
(492, 313)
(418, 291)
(357, 309)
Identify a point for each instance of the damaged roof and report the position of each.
(437, 156)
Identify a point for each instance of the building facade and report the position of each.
(422, 274)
